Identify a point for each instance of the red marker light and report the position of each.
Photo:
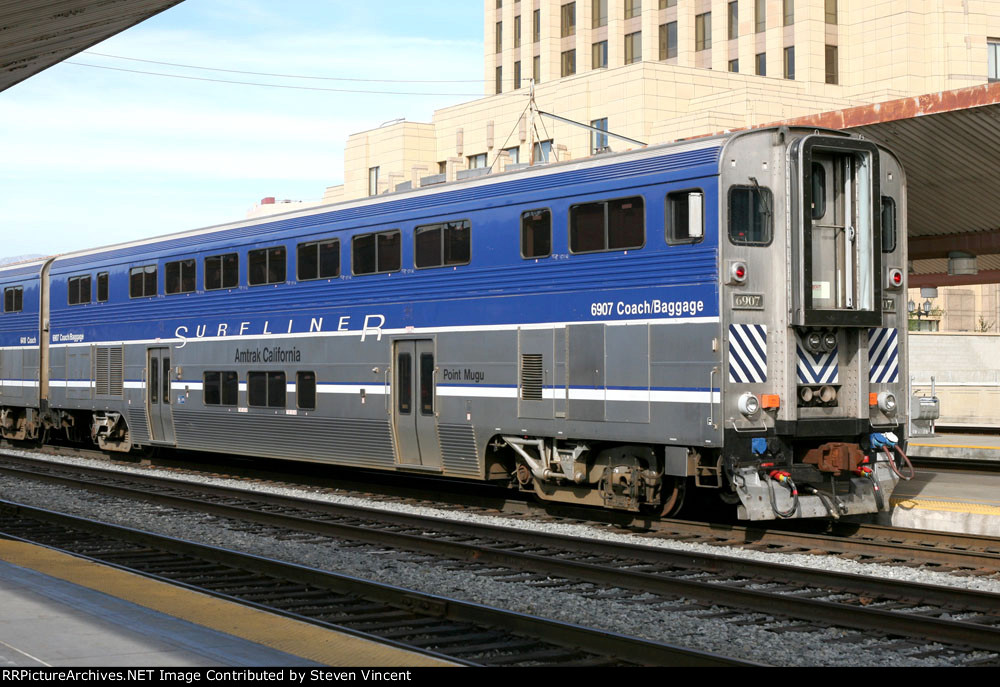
(740, 272)
(898, 278)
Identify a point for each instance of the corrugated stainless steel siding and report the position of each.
(458, 450)
(364, 443)
(138, 426)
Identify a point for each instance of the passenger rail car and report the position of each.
(723, 316)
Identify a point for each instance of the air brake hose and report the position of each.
(892, 463)
(783, 477)
(866, 471)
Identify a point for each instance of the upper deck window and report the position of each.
(79, 289)
(13, 299)
(379, 252)
(222, 272)
(685, 216)
(536, 234)
(607, 225)
(750, 215)
(267, 266)
(888, 224)
(102, 287)
(180, 276)
(319, 260)
(438, 245)
(142, 281)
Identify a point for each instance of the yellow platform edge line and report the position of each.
(293, 637)
(908, 503)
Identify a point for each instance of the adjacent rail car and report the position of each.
(722, 316)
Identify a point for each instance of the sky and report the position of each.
(91, 156)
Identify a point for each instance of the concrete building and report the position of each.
(660, 70)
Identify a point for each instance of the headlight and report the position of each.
(748, 404)
(887, 402)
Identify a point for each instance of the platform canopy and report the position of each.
(36, 34)
(949, 145)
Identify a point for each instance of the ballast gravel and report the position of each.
(744, 635)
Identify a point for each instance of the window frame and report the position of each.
(375, 235)
(106, 278)
(267, 265)
(729, 214)
(222, 272)
(536, 257)
(443, 227)
(606, 203)
(895, 224)
(145, 269)
(69, 289)
(233, 376)
(268, 374)
(180, 281)
(17, 294)
(668, 217)
(298, 390)
(319, 262)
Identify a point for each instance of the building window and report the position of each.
(517, 31)
(440, 245)
(102, 287)
(536, 26)
(305, 390)
(832, 75)
(378, 252)
(633, 8)
(760, 64)
(598, 141)
(789, 12)
(180, 277)
(267, 266)
(790, 62)
(499, 83)
(703, 31)
(477, 161)
(734, 20)
(542, 151)
(668, 40)
(750, 215)
(599, 55)
(373, 179)
(536, 234)
(568, 19)
(499, 37)
(266, 389)
(568, 63)
(633, 47)
(993, 57)
(536, 69)
(222, 272)
(142, 281)
(599, 15)
(514, 154)
(221, 389)
(79, 289)
(831, 11)
(664, 4)
(517, 75)
(609, 225)
(734, 66)
(319, 260)
(760, 16)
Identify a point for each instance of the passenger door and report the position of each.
(158, 375)
(414, 411)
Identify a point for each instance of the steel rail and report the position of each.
(601, 643)
(849, 615)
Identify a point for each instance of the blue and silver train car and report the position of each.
(723, 316)
(20, 349)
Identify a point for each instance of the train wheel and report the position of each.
(674, 489)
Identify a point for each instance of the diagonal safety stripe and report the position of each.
(747, 353)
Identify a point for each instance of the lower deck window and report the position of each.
(266, 389)
(305, 390)
(221, 388)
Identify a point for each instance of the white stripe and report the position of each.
(350, 389)
(373, 334)
(18, 382)
(615, 395)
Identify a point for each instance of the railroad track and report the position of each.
(812, 599)
(465, 633)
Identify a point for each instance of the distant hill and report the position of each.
(19, 258)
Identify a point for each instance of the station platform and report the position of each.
(62, 611)
(946, 500)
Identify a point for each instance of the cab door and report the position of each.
(414, 405)
(158, 375)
